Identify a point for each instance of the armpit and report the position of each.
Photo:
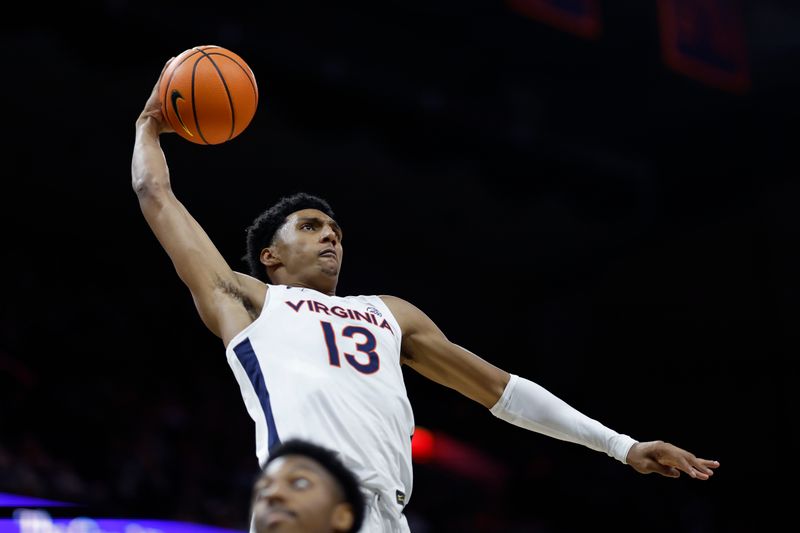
(236, 292)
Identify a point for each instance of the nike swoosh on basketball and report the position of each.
(175, 96)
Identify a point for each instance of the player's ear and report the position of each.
(343, 517)
(269, 257)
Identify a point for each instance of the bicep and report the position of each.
(196, 260)
(457, 368)
(428, 351)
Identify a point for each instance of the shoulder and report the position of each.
(408, 316)
(396, 305)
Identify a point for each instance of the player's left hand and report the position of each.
(668, 460)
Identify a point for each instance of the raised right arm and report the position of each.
(225, 305)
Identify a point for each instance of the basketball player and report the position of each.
(306, 488)
(326, 368)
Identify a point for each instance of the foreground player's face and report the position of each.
(296, 494)
(308, 247)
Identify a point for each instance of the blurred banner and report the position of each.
(581, 17)
(38, 521)
(705, 40)
(15, 500)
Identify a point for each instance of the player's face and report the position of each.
(309, 244)
(296, 494)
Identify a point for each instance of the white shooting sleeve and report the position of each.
(530, 406)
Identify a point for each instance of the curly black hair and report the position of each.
(262, 231)
(330, 462)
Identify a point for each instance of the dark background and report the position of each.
(568, 207)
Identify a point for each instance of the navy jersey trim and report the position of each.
(247, 357)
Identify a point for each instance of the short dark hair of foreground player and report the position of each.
(306, 488)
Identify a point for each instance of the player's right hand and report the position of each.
(152, 108)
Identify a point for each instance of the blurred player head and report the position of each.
(306, 488)
(296, 242)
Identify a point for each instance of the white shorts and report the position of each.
(383, 517)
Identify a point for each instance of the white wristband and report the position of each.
(530, 406)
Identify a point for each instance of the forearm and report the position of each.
(149, 169)
(532, 407)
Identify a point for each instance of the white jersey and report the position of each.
(327, 369)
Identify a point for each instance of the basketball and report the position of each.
(208, 94)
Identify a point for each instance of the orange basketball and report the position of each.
(208, 94)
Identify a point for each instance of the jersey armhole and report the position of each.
(394, 321)
(236, 339)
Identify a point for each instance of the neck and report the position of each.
(329, 292)
(326, 286)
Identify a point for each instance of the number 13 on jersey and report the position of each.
(365, 344)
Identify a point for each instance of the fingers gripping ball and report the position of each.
(208, 94)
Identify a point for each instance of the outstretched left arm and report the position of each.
(429, 352)
(521, 402)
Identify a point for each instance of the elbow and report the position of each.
(149, 172)
(496, 387)
(146, 187)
